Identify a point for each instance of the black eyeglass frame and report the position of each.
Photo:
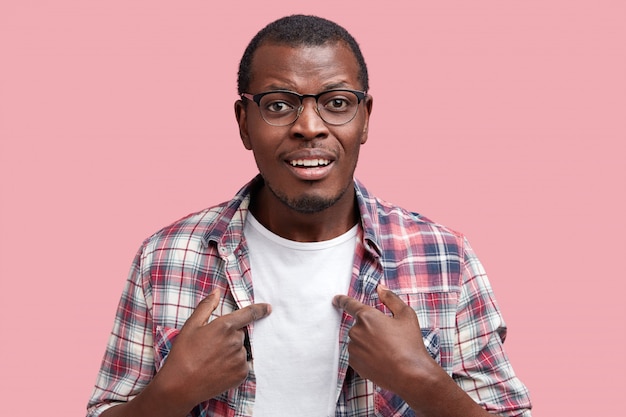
(360, 95)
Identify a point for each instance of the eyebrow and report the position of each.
(326, 87)
(340, 84)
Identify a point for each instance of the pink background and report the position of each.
(505, 120)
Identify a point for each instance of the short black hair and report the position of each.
(299, 30)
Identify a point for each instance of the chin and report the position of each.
(308, 204)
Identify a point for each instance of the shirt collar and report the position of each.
(227, 229)
(368, 210)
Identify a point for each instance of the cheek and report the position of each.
(351, 145)
(262, 138)
(265, 152)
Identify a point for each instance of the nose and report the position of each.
(309, 125)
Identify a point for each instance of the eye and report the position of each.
(337, 103)
(278, 106)
(278, 103)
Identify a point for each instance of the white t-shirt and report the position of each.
(296, 348)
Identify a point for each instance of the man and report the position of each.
(313, 297)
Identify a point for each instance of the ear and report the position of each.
(242, 121)
(368, 103)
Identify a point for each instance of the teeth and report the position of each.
(309, 162)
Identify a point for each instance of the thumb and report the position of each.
(203, 311)
(397, 307)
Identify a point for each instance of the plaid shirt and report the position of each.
(432, 268)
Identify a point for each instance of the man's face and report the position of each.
(288, 157)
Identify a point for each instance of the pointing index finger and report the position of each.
(348, 304)
(253, 312)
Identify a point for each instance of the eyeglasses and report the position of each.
(282, 107)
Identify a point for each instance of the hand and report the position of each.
(386, 350)
(390, 352)
(209, 358)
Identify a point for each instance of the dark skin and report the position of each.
(390, 352)
(207, 359)
(305, 70)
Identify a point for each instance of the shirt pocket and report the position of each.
(432, 343)
(430, 336)
(163, 340)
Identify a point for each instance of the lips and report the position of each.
(310, 164)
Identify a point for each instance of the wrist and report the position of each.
(161, 398)
(422, 381)
(430, 391)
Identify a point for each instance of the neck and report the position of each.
(304, 227)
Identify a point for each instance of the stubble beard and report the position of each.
(307, 204)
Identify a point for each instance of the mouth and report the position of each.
(310, 168)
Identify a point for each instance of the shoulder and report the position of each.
(407, 221)
(388, 222)
(414, 251)
(210, 224)
(195, 227)
(401, 231)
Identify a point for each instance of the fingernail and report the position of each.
(335, 301)
(383, 287)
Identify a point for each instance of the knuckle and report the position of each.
(252, 312)
(228, 326)
(223, 325)
(363, 314)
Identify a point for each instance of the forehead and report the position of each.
(304, 68)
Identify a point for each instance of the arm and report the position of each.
(206, 360)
